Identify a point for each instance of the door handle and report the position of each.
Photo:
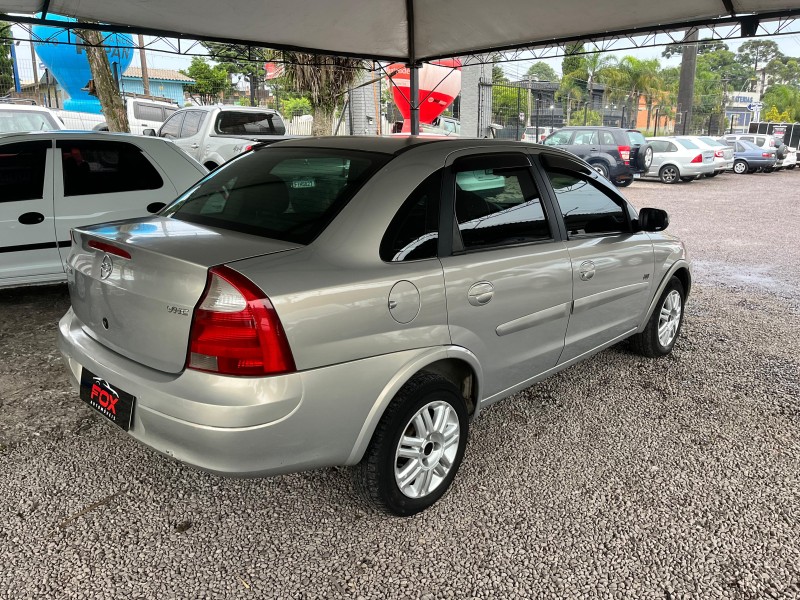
(194, 146)
(31, 218)
(480, 293)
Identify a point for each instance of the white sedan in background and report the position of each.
(53, 181)
(723, 154)
(679, 159)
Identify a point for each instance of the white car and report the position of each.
(51, 182)
(723, 154)
(18, 118)
(679, 159)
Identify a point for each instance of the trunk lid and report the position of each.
(142, 306)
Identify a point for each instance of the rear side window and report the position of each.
(586, 209)
(22, 171)
(585, 138)
(288, 194)
(606, 139)
(231, 122)
(636, 138)
(90, 167)
(413, 234)
(740, 147)
(688, 144)
(558, 138)
(498, 205)
(148, 112)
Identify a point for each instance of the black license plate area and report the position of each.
(113, 403)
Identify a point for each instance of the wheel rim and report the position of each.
(427, 449)
(669, 174)
(669, 319)
(648, 158)
(602, 170)
(739, 167)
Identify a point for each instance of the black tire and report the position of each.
(644, 158)
(669, 174)
(600, 168)
(623, 182)
(647, 342)
(375, 474)
(768, 169)
(687, 179)
(782, 151)
(210, 166)
(714, 174)
(740, 167)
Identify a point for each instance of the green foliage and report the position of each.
(772, 114)
(541, 71)
(785, 99)
(507, 103)
(573, 62)
(593, 117)
(295, 106)
(210, 82)
(725, 65)
(704, 46)
(784, 70)
(498, 75)
(6, 67)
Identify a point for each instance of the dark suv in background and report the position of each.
(615, 153)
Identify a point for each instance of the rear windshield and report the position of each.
(231, 122)
(25, 120)
(711, 141)
(288, 194)
(688, 144)
(636, 138)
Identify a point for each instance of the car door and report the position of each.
(102, 180)
(659, 153)
(190, 140)
(612, 265)
(585, 144)
(28, 246)
(508, 275)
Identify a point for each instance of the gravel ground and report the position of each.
(620, 478)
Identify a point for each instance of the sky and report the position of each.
(789, 45)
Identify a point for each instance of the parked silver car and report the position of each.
(723, 154)
(355, 301)
(679, 159)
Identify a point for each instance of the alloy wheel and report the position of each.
(427, 449)
(670, 318)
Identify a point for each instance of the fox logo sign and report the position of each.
(105, 397)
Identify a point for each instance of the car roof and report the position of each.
(79, 134)
(24, 107)
(230, 107)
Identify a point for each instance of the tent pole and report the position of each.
(413, 66)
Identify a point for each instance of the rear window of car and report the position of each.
(711, 141)
(288, 194)
(26, 120)
(636, 138)
(688, 144)
(231, 122)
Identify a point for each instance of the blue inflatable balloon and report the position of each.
(69, 64)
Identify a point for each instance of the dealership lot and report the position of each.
(620, 477)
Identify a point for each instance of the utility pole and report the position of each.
(35, 68)
(688, 67)
(143, 60)
(725, 81)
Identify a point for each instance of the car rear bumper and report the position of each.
(693, 169)
(240, 426)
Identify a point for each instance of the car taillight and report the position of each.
(248, 148)
(235, 329)
(719, 154)
(698, 158)
(625, 154)
(766, 154)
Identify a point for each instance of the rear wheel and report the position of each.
(661, 332)
(669, 174)
(417, 447)
(687, 179)
(601, 168)
(740, 167)
(623, 182)
(714, 174)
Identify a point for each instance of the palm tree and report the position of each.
(631, 78)
(594, 65)
(325, 79)
(571, 90)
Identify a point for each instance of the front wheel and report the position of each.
(661, 331)
(417, 447)
(740, 167)
(669, 174)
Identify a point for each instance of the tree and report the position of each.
(595, 64)
(725, 64)
(498, 75)
(247, 61)
(704, 46)
(209, 82)
(755, 52)
(6, 66)
(785, 99)
(325, 79)
(573, 61)
(631, 78)
(541, 71)
(105, 87)
(784, 70)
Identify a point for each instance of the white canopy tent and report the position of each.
(410, 31)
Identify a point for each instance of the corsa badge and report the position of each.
(106, 267)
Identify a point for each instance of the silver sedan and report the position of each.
(679, 159)
(357, 301)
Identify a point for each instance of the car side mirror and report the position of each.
(150, 132)
(653, 219)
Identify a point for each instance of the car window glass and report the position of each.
(26, 120)
(91, 167)
(413, 233)
(606, 139)
(558, 138)
(148, 112)
(192, 122)
(636, 138)
(748, 138)
(172, 126)
(498, 207)
(740, 147)
(586, 209)
(231, 122)
(671, 147)
(760, 141)
(658, 146)
(688, 144)
(288, 194)
(22, 170)
(585, 138)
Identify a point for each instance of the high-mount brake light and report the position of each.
(236, 331)
(108, 248)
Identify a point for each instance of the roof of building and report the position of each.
(162, 74)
